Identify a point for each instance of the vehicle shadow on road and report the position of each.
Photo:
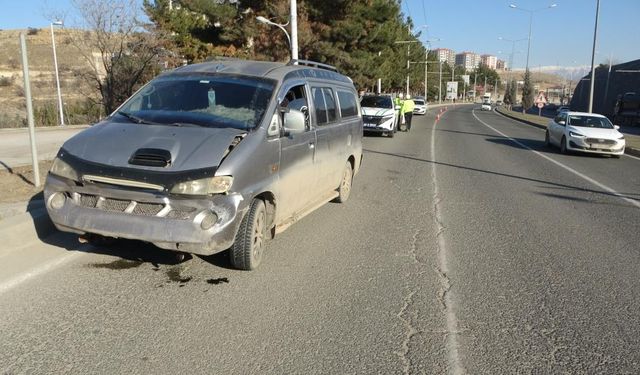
(633, 196)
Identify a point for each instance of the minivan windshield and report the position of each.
(590, 122)
(376, 102)
(201, 100)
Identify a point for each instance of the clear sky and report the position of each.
(560, 36)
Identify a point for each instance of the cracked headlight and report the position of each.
(204, 186)
(62, 169)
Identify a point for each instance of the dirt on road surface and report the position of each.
(17, 184)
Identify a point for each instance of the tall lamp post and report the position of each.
(531, 12)
(293, 19)
(55, 64)
(593, 58)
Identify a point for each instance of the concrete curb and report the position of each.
(22, 229)
(627, 150)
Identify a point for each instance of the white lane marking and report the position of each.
(542, 130)
(566, 167)
(17, 280)
(455, 364)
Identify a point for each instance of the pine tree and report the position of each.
(527, 92)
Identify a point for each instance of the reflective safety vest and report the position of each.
(408, 106)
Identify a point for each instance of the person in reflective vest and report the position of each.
(398, 105)
(407, 109)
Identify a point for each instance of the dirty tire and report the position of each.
(563, 146)
(391, 133)
(248, 248)
(344, 190)
(547, 142)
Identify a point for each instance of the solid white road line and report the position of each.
(566, 167)
(17, 280)
(451, 338)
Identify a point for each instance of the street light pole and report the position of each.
(530, 11)
(294, 30)
(281, 27)
(55, 64)
(440, 84)
(593, 58)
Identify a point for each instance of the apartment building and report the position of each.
(501, 65)
(446, 55)
(468, 60)
(489, 60)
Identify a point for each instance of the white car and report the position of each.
(486, 107)
(420, 108)
(584, 132)
(379, 114)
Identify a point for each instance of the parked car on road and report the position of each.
(584, 132)
(212, 156)
(420, 108)
(379, 114)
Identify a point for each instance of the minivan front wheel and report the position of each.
(344, 190)
(248, 248)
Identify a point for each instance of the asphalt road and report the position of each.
(466, 247)
(15, 146)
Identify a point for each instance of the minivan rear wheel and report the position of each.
(248, 248)
(344, 190)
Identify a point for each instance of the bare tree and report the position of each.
(120, 52)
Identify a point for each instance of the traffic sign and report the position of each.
(540, 99)
(540, 105)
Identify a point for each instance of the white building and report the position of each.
(489, 60)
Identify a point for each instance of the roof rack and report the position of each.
(314, 64)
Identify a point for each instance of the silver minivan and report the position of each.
(212, 156)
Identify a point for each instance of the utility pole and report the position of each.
(593, 58)
(475, 79)
(294, 30)
(55, 63)
(440, 84)
(27, 95)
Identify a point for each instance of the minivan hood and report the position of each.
(596, 132)
(113, 144)
(372, 111)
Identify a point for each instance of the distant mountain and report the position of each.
(567, 72)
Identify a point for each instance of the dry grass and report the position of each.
(17, 184)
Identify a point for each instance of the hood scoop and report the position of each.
(151, 157)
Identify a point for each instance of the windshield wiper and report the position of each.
(136, 119)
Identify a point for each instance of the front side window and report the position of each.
(201, 100)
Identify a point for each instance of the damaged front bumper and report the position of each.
(199, 225)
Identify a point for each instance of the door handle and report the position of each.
(312, 145)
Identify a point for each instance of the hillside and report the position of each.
(75, 91)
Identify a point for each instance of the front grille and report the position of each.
(140, 208)
(88, 201)
(371, 119)
(148, 209)
(600, 141)
(114, 205)
(181, 213)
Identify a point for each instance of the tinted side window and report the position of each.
(319, 104)
(331, 104)
(558, 119)
(347, 102)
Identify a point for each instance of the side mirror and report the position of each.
(294, 122)
(562, 122)
(617, 127)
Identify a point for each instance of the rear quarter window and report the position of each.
(348, 104)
